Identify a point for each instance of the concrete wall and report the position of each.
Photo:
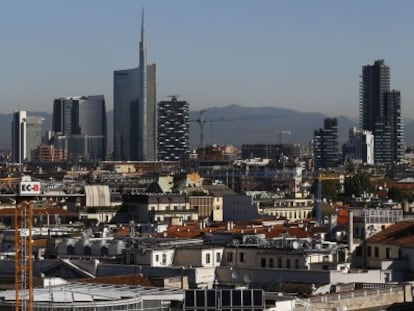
(365, 276)
(237, 275)
(372, 299)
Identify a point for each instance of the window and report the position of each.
(229, 257)
(369, 251)
(157, 258)
(270, 262)
(164, 259)
(296, 263)
(218, 257)
(279, 262)
(388, 253)
(376, 251)
(263, 263)
(208, 258)
(288, 263)
(241, 257)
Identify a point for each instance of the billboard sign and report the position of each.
(29, 188)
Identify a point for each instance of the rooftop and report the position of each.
(401, 234)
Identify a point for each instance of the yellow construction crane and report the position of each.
(201, 120)
(319, 179)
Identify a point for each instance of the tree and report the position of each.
(329, 189)
(357, 185)
(396, 194)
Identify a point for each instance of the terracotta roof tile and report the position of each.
(401, 234)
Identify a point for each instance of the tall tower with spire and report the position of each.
(135, 109)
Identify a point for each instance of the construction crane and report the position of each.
(318, 202)
(201, 120)
(23, 274)
(281, 132)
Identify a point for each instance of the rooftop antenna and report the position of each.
(173, 97)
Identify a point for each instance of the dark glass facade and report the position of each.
(173, 130)
(79, 124)
(380, 112)
(325, 145)
(135, 127)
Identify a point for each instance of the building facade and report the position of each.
(269, 151)
(173, 130)
(380, 110)
(26, 136)
(135, 130)
(325, 145)
(79, 125)
(359, 147)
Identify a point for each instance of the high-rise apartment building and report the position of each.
(325, 145)
(79, 125)
(380, 113)
(135, 127)
(173, 130)
(26, 136)
(359, 147)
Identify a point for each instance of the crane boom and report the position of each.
(201, 120)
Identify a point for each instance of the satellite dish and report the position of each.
(295, 245)
(247, 278)
(234, 275)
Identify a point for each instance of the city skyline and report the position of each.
(305, 56)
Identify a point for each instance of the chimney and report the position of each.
(350, 231)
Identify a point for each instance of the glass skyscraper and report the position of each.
(79, 125)
(325, 145)
(26, 136)
(380, 113)
(135, 129)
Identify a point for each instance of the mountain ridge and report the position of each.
(237, 125)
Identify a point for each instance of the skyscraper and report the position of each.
(325, 145)
(26, 136)
(135, 129)
(359, 147)
(79, 124)
(380, 113)
(173, 130)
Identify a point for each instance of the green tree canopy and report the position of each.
(357, 185)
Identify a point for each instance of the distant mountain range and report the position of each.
(236, 125)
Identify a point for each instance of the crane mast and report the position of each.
(201, 120)
(23, 264)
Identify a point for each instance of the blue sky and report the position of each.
(303, 55)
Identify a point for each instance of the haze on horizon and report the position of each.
(301, 55)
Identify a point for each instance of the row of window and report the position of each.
(376, 252)
(208, 258)
(290, 215)
(269, 262)
(169, 208)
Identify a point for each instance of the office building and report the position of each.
(269, 151)
(173, 130)
(359, 147)
(325, 145)
(380, 113)
(26, 136)
(135, 129)
(79, 125)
